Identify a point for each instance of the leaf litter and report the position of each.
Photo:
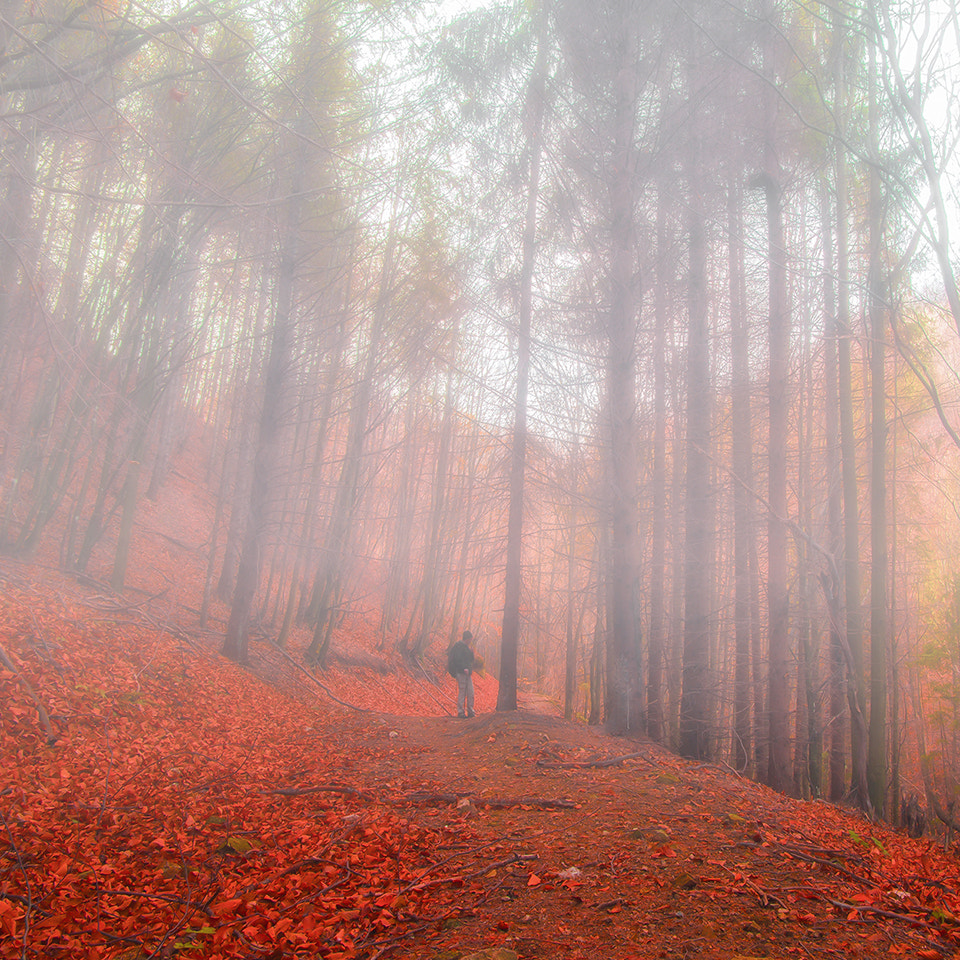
(188, 807)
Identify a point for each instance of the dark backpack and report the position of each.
(459, 657)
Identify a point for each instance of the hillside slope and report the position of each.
(159, 801)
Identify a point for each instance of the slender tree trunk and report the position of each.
(658, 546)
(572, 632)
(267, 445)
(623, 694)
(20, 162)
(599, 632)
(877, 765)
(742, 460)
(241, 452)
(510, 632)
(895, 732)
(697, 700)
(398, 567)
(328, 587)
(778, 613)
(432, 587)
(466, 521)
(831, 407)
(853, 652)
(808, 727)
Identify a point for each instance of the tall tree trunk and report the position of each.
(831, 410)
(330, 570)
(778, 625)
(895, 738)
(317, 456)
(741, 429)
(398, 568)
(623, 628)
(267, 444)
(20, 162)
(877, 746)
(572, 632)
(658, 482)
(853, 646)
(466, 519)
(242, 433)
(807, 765)
(597, 668)
(431, 587)
(510, 632)
(697, 699)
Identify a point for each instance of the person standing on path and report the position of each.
(460, 661)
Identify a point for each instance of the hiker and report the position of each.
(460, 661)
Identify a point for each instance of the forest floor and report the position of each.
(159, 801)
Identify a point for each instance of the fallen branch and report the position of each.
(514, 858)
(544, 802)
(201, 906)
(391, 943)
(583, 764)
(320, 788)
(762, 895)
(798, 854)
(885, 914)
(611, 904)
(436, 866)
(42, 713)
(464, 877)
(424, 798)
(447, 712)
(343, 703)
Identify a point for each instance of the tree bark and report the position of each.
(656, 727)
(623, 690)
(697, 706)
(510, 631)
(272, 412)
(778, 612)
(831, 410)
(848, 451)
(877, 765)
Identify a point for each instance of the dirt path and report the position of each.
(649, 856)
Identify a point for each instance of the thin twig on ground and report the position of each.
(28, 690)
(589, 764)
(343, 703)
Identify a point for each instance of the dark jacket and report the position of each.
(459, 658)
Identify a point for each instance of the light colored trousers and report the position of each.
(465, 693)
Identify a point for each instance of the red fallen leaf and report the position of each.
(664, 852)
(8, 919)
(533, 880)
(927, 954)
(227, 906)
